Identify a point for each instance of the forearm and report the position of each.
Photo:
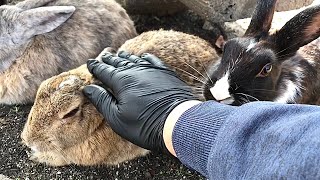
(252, 141)
(172, 120)
(190, 129)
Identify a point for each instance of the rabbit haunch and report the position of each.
(281, 67)
(63, 125)
(42, 38)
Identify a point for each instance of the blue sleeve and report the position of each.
(260, 140)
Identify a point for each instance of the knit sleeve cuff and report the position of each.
(194, 133)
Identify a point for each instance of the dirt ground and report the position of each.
(14, 161)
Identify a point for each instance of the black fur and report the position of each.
(280, 50)
(2, 2)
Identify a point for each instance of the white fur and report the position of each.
(251, 45)
(69, 82)
(289, 94)
(220, 91)
(34, 149)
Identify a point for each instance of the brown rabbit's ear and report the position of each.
(299, 31)
(261, 18)
(71, 111)
(42, 20)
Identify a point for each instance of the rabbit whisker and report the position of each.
(205, 70)
(247, 95)
(194, 69)
(263, 90)
(294, 44)
(237, 61)
(191, 75)
(244, 100)
(237, 87)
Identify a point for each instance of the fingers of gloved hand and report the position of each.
(154, 60)
(104, 52)
(132, 58)
(102, 72)
(102, 99)
(115, 61)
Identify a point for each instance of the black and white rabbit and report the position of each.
(282, 67)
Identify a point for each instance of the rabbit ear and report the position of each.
(299, 31)
(30, 4)
(44, 19)
(261, 18)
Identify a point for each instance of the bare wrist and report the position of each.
(172, 120)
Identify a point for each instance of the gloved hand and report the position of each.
(142, 93)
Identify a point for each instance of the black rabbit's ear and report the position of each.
(261, 18)
(299, 31)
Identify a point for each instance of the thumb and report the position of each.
(102, 99)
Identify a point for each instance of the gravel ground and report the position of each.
(14, 161)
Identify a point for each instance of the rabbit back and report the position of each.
(93, 26)
(186, 54)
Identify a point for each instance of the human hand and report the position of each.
(143, 91)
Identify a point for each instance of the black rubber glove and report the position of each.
(142, 94)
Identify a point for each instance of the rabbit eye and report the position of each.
(71, 113)
(265, 70)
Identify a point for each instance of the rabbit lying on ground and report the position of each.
(42, 38)
(259, 66)
(64, 128)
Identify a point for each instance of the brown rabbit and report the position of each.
(188, 55)
(42, 38)
(64, 128)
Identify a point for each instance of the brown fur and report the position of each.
(83, 137)
(93, 26)
(188, 55)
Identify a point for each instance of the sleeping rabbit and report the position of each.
(42, 38)
(282, 67)
(63, 127)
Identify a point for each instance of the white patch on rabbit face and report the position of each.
(220, 91)
(289, 94)
(251, 45)
(69, 82)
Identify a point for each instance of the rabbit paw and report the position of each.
(48, 158)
